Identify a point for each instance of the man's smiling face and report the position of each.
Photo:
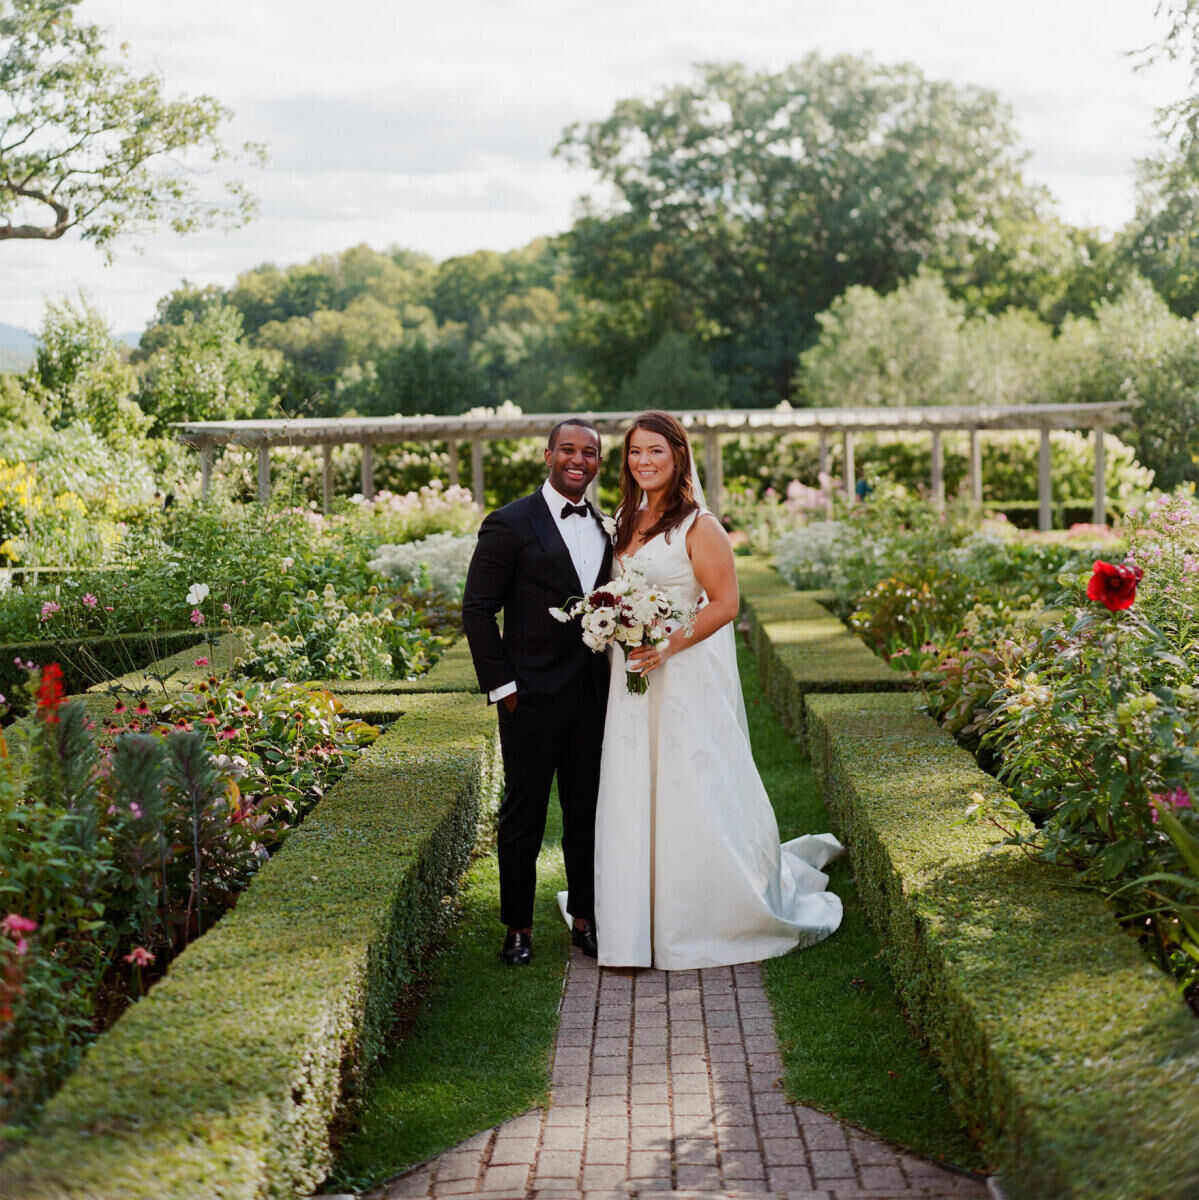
(573, 460)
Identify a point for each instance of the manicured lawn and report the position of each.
(846, 1049)
(477, 1041)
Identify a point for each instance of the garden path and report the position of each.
(669, 1082)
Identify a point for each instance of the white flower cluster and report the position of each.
(809, 557)
(627, 610)
(436, 564)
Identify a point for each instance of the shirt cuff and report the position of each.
(497, 694)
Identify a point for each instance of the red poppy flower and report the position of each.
(1115, 587)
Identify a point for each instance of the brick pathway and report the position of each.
(669, 1082)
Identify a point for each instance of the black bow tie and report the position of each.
(575, 510)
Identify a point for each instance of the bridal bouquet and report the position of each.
(628, 612)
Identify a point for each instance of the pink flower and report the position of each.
(227, 607)
(201, 662)
(89, 601)
(16, 927)
(197, 617)
(49, 609)
(139, 956)
(226, 735)
(135, 811)
(108, 608)
(1161, 802)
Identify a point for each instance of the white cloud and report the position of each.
(431, 125)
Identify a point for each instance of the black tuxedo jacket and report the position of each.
(521, 566)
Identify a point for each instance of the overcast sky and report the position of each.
(430, 125)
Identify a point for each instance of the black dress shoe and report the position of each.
(518, 949)
(585, 938)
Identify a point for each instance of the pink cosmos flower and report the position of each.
(139, 956)
(201, 662)
(89, 601)
(197, 617)
(49, 609)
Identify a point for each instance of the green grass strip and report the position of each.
(481, 1037)
(845, 1045)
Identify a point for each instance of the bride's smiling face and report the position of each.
(650, 460)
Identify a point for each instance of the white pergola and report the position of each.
(704, 425)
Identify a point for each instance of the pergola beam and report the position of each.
(708, 425)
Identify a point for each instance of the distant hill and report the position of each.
(12, 338)
(18, 346)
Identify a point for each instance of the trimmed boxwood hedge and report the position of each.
(1063, 1047)
(223, 1081)
(803, 648)
(82, 659)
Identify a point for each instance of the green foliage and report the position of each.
(87, 145)
(80, 375)
(1050, 1028)
(144, 855)
(201, 368)
(675, 373)
(1136, 349)
(317, 951)
(748, 201)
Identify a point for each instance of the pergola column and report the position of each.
(713, 471)
(938, 479)
(451, 447)
(205, 470)
(847, 459)
(822, 458)
(1044, 485)
(264, 474)
(476, 471)
(975, 467)
(368, 470)
(326, 478)
(1099, 509)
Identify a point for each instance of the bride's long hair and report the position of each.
(680, 498)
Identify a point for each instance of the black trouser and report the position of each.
(537, 743)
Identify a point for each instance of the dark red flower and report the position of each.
(1115, 587)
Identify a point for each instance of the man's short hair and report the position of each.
(581, 421)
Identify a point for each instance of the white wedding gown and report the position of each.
(688, 868)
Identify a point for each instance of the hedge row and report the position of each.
(802, 648)
(453, 672)
(1067, 1050)
(85, 660)
(224, 1080)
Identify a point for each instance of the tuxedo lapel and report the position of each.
(605, 570)
(546, 529)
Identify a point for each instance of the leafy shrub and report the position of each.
(321, 638)
(435, 565)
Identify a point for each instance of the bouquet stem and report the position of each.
(635, 681)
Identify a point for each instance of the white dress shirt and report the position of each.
(586, 541)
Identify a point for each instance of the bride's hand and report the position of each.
(649, 658)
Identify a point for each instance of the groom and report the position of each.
(550, 690)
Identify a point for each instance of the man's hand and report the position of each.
(509, 702)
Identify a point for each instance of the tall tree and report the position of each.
(748, 200)
(86, 144)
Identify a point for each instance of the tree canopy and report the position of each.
(86, 144)
(747, 201)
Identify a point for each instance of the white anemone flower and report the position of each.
(196, 593)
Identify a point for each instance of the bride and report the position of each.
(688, 867)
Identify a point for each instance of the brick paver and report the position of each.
(670, 1082)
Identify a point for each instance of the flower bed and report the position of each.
(1067, 1051)
(225, 1078)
